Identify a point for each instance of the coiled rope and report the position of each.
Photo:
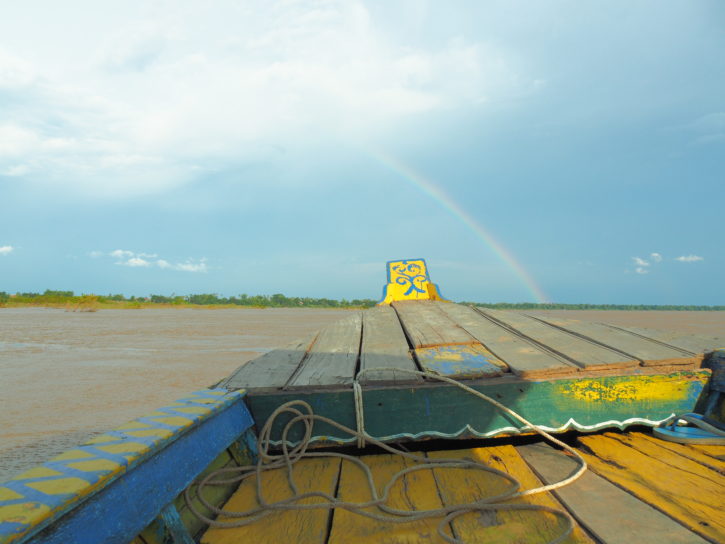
(302, 413)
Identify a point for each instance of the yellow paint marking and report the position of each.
(102, 438)
(638, 388)
(73, 454)
(124, 447)
(94, 465)
(25, 512)
(133, 425)
(191, 409)
(176, 421)
(458, 486)
(9, 495)
(161, 433)
(684, 489)
(37, 472)
(298, 527)
(60, 486)
(416, 491)
(409, 280)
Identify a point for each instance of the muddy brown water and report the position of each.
(65, 376)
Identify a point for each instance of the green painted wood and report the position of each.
(440, 410)
(650, 353)
(332, 359)
(524, 358)
(271, 370)
(426, 326)
(608, 512)
(588, 355)
(384, 345)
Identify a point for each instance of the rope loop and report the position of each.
(300, 412)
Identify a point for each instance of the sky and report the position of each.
(558, 151)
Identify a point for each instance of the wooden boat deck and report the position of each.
(566, 373)
(638, 489)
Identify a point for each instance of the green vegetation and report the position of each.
(556, 306)
(91, 302)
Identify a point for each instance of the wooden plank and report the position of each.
(686, 450)
(586, 354)
(458, 486)
(461, 362)
(384, 345)
(596, 502)
(650, 353)
(445, 411)
(271, 370)
(684, 489)
(691, 343)
(426, 326)
(298, 526)
(524, 358)
(333, 357)
(414, 491)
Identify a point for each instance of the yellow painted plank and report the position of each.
(295, 526)
(415, 491)
(460, 486)
(686, 450)
(686, 490)
(713, 451)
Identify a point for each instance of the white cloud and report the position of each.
(640, 270)
(147, 105)
(6, 250)
(640, 262)
(656, 257)
(132, 259)
(689, 258)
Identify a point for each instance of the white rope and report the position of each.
(302, 413)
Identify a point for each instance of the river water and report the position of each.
(67, 376)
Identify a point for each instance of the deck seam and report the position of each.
(683, 350)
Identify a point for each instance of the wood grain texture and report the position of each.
(649, 352)
(415, 491)
(523, 358)
(586, 354)
(272, 370)
(460, 486)
(691, 343)
(686, 490)
(332, 359)
(461, 362)
(384, 345)
(295, 526)
(426, 326)
(596, 502)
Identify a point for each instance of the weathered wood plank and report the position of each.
(271, 370)
(588, 355)
(441, 410)
(524, 358)
(426, 326)
(332, 359)
(384, 345)
(650, 353)
(298, 526)
(596, 503)
(684, 489)
(414, 491)
(691, 343)
(458, 486)
(686, 450)
(461, 362)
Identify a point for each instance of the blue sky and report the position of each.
(568, 148)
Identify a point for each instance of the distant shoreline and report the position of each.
(91, 303)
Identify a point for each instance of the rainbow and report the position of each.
(430, 189)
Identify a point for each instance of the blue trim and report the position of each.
(124, 508)
(175, 527)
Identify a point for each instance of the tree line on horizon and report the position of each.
(279, 300)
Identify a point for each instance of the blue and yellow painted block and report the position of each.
(409, 280)
(39, 495)
(461, 362)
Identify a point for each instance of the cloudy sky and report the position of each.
(563, 150)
